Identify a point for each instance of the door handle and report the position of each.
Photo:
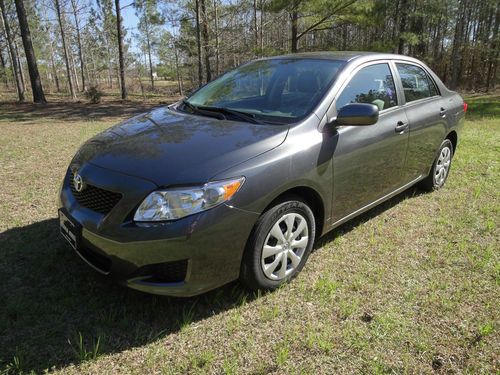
(401, 127)
(442, 112)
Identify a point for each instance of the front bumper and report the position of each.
(203, 250)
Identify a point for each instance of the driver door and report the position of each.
(369, 160)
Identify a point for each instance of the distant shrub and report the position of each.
(93, 94)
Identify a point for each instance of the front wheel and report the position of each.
(440, 168)
(279, 246)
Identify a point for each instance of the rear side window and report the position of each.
(416, 83)
(373, 84)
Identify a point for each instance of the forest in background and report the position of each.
(73, 46)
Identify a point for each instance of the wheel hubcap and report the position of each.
(442, 166)
(284, 246)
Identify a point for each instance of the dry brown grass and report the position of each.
(412, 286)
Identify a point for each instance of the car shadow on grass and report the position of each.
(73, 111)
(55, 310)
(49, 298)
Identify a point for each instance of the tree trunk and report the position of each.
(198, 43)
(217, 41)
(402, 26)
(437, 39)
(206, 41)
(344, 37)
(95, 78)
(148, 46)
(87, 74)
(54, 69)
(395, 18)
(12, 54)
(494, 54)
(65, 49)
(120, 50)
(4, 70)
(255, 28)
(294, 27)
(36, 83)
(139, 73)
(261, 28)
(179, 78)
(79, 42)
(73, 70)
(117, 71)
(20, 64)
(457, 47)
(110, 68)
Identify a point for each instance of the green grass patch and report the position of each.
(412, 286)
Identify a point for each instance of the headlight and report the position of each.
(171, 204)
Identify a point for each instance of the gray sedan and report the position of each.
(239, 179)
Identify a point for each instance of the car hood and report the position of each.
(169, 148)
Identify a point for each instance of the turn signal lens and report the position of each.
(231, 188)
(465, 107)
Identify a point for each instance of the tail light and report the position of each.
(465, 107)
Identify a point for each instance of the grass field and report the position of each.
(412, 286)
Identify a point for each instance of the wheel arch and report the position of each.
(453, 137)
(305, 193)
(311, 197)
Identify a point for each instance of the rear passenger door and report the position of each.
(369, 160)
(426, 116)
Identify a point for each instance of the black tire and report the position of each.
(432, 182)
(252, 274)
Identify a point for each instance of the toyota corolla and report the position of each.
(239, 179)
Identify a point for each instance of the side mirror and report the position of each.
(357, 114)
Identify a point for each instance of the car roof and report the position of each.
(346, 56)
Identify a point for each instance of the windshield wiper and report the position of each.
(232, 112)
(221, 111)
(199, 111)
(193, 108)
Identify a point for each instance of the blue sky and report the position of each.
(130, 20)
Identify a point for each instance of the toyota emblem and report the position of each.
(78, 182)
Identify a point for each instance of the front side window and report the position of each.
(416, 83)
(373, 84)
(276, 90)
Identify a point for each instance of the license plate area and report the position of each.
(70, 229)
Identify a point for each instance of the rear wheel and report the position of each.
(279, 246)
(440, 168)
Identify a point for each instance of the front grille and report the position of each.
(94, 198)
(169, 272)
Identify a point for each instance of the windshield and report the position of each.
(277, 90)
